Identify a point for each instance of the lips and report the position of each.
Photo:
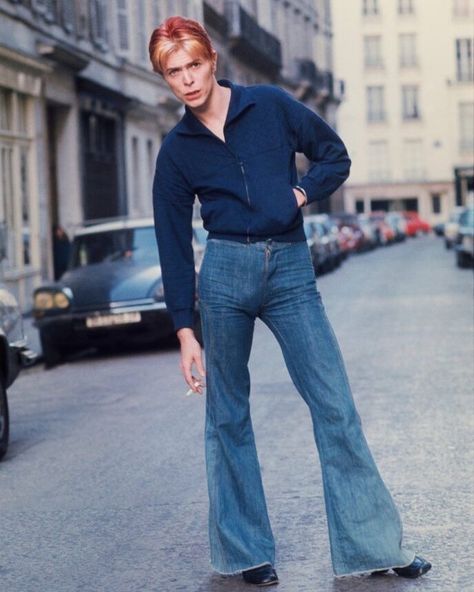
(192, 95)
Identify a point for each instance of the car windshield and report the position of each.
(127, 244)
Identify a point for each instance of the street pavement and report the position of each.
(103, 488)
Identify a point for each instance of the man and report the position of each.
(235, 149)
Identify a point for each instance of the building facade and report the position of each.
(82, 115)
(409, 118)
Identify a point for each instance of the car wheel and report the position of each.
(4, 421)
(463, 260)
(51, 354)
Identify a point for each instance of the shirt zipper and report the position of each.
(248, 196)
(241, 164)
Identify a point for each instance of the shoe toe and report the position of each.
(265, 575)
(417, 568)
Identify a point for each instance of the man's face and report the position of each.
(190, 77)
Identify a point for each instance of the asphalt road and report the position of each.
(103, 488)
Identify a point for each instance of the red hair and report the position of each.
(177, 33)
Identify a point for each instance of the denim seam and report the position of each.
(238, 571)
(321, 447)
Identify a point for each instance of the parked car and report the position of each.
(199, 242)
(415, 225)
(330, 234)
(111, 293)
(369, 232)
(318, 247)
(351, 227)
(465, 239)
(451, 227)
(398, 224)
(383, 231)
(14, 355)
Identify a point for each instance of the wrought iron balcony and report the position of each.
(250, 41)
(321, 82)
(214, 19)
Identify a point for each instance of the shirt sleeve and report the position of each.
(330, 162)
(173, 210)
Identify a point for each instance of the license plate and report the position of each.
(110, 320)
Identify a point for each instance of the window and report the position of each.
(360, 207)
(142, 36)
(378, 165)
(436, 203)
(7, 209)
(122, 26)
(98, 20)
(375, 103)
(136, 175)
(466, 127)
(406, 6)
(370, 7)
(15, 185)
(413, 168)
(150, 153)
(6, 113)
(410, 107)
(464, 62)
(373, 51)
(25, 206)
(407, 48)
(463, 8)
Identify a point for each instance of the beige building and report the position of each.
(82, 115)
(408, 118)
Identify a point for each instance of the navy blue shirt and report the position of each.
(245, 184)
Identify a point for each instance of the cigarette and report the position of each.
(190, 392)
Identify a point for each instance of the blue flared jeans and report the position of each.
(275, 281)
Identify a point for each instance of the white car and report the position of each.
(451, 228)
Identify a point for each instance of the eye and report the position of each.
(196, 64)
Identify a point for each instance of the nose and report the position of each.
(187, 78)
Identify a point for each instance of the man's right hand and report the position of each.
(191, 354)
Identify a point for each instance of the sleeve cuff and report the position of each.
(182, 319)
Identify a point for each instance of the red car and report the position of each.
(415, 225)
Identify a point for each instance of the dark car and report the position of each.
(350, 225)
(318, 244)
(14, 354)
(465, 239)
(331, 235)
(111, 293)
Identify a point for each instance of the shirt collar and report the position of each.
(240, 99)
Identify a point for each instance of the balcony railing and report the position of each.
(214, 19)
(250, 41)
(321, 81)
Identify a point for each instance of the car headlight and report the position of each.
(47, 300)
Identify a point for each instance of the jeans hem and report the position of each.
(238, 571)
(356, 573)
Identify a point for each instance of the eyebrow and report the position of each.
(177, 68)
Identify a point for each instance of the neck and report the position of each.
(216, 106)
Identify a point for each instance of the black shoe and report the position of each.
(264, 575)
(417, 568)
